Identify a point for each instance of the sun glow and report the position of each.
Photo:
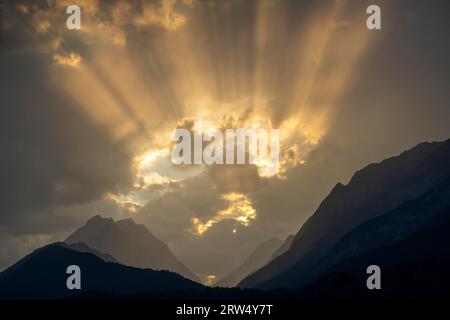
(145, 168)
(209, 279)
(239, 209)
(124, 202)
(140, 86)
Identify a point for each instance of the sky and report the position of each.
(87, 115)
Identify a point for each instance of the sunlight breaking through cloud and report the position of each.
(124, 202)
(238, 74)
(73, 59)
(240, 209)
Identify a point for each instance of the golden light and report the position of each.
(209, 279)
(73, 59)
(138, 86)
(126, 203)
(239, 209)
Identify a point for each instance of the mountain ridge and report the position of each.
(372, 191)
(414, 268)
(387, 229)
(42, 275)
(130, 243)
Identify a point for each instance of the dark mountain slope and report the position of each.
(372, 191)
(42, 275)
(415, 268)
(390, 228)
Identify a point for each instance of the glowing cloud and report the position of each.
(73, 59)
(239, 209)
(130, 205)
(105, 21)
(145, 165)
(163, 15)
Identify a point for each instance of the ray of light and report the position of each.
(232, 64)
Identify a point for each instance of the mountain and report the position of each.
(256, 260)
(84, 248)
(284, 247)
(413, 268)
(130, 244)
(390, 228)
(371, 192)
(42, 275)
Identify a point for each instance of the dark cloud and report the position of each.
(51, 154)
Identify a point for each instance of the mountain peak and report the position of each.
(339, 186)
(99, 219)
(130, 243)
(129, 223)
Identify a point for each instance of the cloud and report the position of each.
(104, 21)
(52, 156)
(163, 15)
(73, 59)
(239, 209)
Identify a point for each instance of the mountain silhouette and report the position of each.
(414, 268)
(371, 192)
(390, 228)
(259, 257)
(42, 275)
(130, 244)
(84, 248)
